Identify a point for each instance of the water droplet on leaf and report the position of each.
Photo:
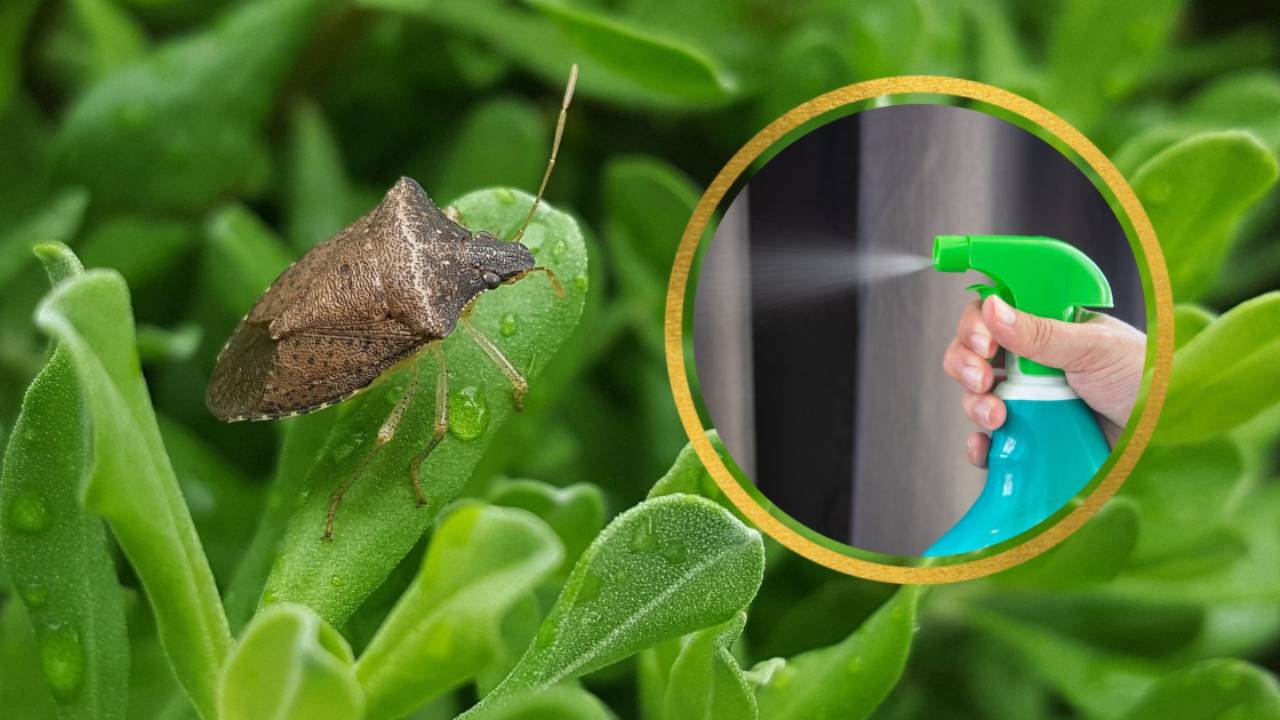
(589, 591)
(508, 325)
(674, 552)
(28, 513)
(505, 196)
(642, 538)
(33, 594)
(580, 282)
(468, 413)
(62, 660)
(546, 636)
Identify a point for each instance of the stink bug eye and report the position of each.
(491, 279)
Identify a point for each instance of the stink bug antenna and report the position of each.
(555, 148)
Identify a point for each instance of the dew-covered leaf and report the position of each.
(224, 504)
(563, 702)
(379, 520)
(304, 441)
(55, 552)
(290, 665)
(132, 483)
(667, 567)
(481, 561)
(849, 679)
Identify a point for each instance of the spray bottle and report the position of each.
(1050, 444)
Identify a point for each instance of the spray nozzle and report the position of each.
(1037, 275)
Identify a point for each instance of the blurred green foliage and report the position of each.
(190, 150)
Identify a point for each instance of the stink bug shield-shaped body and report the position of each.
(392, 284)
(355, 306)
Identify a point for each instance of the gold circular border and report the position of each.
(1010, 102)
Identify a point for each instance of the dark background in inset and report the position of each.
(887, 180)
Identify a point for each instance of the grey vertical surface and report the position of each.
(925, 171)
(722, 334)
(929, 170)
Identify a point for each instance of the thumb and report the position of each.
(1069, 346)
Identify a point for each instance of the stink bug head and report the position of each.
(495, 261)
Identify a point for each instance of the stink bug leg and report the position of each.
(519, 386)
(441, 424)
(386, 433)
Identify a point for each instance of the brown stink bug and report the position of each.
(365, 301)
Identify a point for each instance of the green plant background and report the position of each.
(573, 561)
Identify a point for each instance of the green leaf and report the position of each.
(182, 127)
(576, 512)
(1100, 684)
(1195, 193)
(1188, 320)
(1212, 690)
(1220, 377)
(244, 257)
(445, 628)
(14, 18)
(809, 62)
(57, 221)
(379, 520)
(664, 568)
(1103, 619)
(1183, 492)
(132, 484)
(318, 197)
(304, 441)
(706, 681)
(224, 504)
(160, 345)
(547, 41)
(688, 475)
(1243, 101)
(115, 39)
(143, 248)
(558, 703)
(475, 160)
(55, 553)
(23, 693)
(851, 679)
(1094, 554)
(290, 665)
(671, 67)
(1100, 52)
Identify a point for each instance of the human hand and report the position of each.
(1103, 359)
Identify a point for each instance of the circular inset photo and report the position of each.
(920, 331)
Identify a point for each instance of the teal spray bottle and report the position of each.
(1050, 444)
